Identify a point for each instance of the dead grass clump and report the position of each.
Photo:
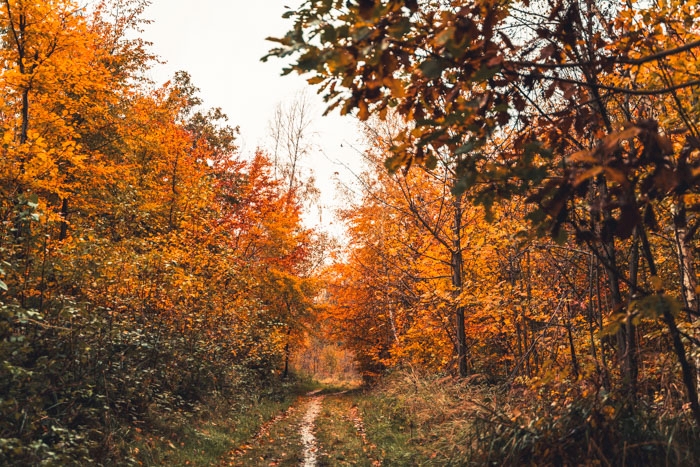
(418, 419)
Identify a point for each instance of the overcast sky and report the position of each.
(220, 43)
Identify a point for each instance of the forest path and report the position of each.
(307, 429)
(322, 428)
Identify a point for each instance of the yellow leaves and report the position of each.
(515, 414)
(582, 157)
(7, 138)
(142, 220)
(363, 110)
(396, 86)
(656, 283)
(608, 411)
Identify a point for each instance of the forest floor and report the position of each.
(322, 428)
(414, 420)
(408, 421)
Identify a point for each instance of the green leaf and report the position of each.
(445, 35)
(3, 286)
(655, 306)
(33, 201)
(394, 163)
(432, 68)
(461, 186)
(361, 34)
(613, 325)
(561, 236)
(484, 73)
(465, 148)
(397, 30)
(329, 34)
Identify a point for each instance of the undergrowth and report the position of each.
(73, 394)
(212, 428)
(431, 420)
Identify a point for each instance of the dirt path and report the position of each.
(307, 430)
(275, 443)
(318, 430)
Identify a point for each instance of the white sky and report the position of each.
(220, 43)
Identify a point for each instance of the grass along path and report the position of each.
(407, 421)
(322, 428)
(276, 443)
(340, 433)
(202, 435)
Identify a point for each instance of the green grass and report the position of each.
(208, 434)
(415, 420)
(420, 420)
(279, 444)
(409, 420)
(388, 430)
(339, 442)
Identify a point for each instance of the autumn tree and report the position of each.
(564, 83)
(441, 213)
(398, 283)
(145, 266)
(274, 246)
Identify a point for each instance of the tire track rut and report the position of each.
(299, 437)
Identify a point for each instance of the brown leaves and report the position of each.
(366, 8)
(442, 70)
(615, 161)
(633, 165)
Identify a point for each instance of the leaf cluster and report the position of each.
(144, 267)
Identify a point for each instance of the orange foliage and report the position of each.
(133, 239)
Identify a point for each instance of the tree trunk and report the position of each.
(285, 373)
(572, 348)
(689, 281)
(686, 367)
(286, 361)
(626, 345)
(457, 264)
(64, 220)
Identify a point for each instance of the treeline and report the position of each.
(537, 225)
(145, 266)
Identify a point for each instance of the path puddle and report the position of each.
(307, 431)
